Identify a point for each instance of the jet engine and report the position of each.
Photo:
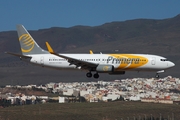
(105, 68)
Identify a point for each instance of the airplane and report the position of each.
(113, 64)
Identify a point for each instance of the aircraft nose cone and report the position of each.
(171, 64)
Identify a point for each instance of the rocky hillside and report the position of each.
(161, 37)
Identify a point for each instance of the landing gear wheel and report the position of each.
(96, 75)
(89, 74)
(157, 75)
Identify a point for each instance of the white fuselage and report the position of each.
(121, 62)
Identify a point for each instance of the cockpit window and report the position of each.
(163, 59)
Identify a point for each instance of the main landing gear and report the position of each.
(89, 75)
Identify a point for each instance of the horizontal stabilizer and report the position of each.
(18, 55)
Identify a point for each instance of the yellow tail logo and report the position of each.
(26, 42)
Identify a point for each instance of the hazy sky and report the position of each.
(39, 14)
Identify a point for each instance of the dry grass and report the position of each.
(90, 111)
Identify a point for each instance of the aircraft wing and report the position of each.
(73, 61)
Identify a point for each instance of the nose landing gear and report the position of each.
(157, 73)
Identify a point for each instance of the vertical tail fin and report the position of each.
(27, 43)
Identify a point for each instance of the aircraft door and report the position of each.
(153, 62)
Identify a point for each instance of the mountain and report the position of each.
(148, 36)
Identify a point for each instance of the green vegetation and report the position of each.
(91, 111)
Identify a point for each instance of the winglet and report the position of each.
(49, 48)
(91, 52)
